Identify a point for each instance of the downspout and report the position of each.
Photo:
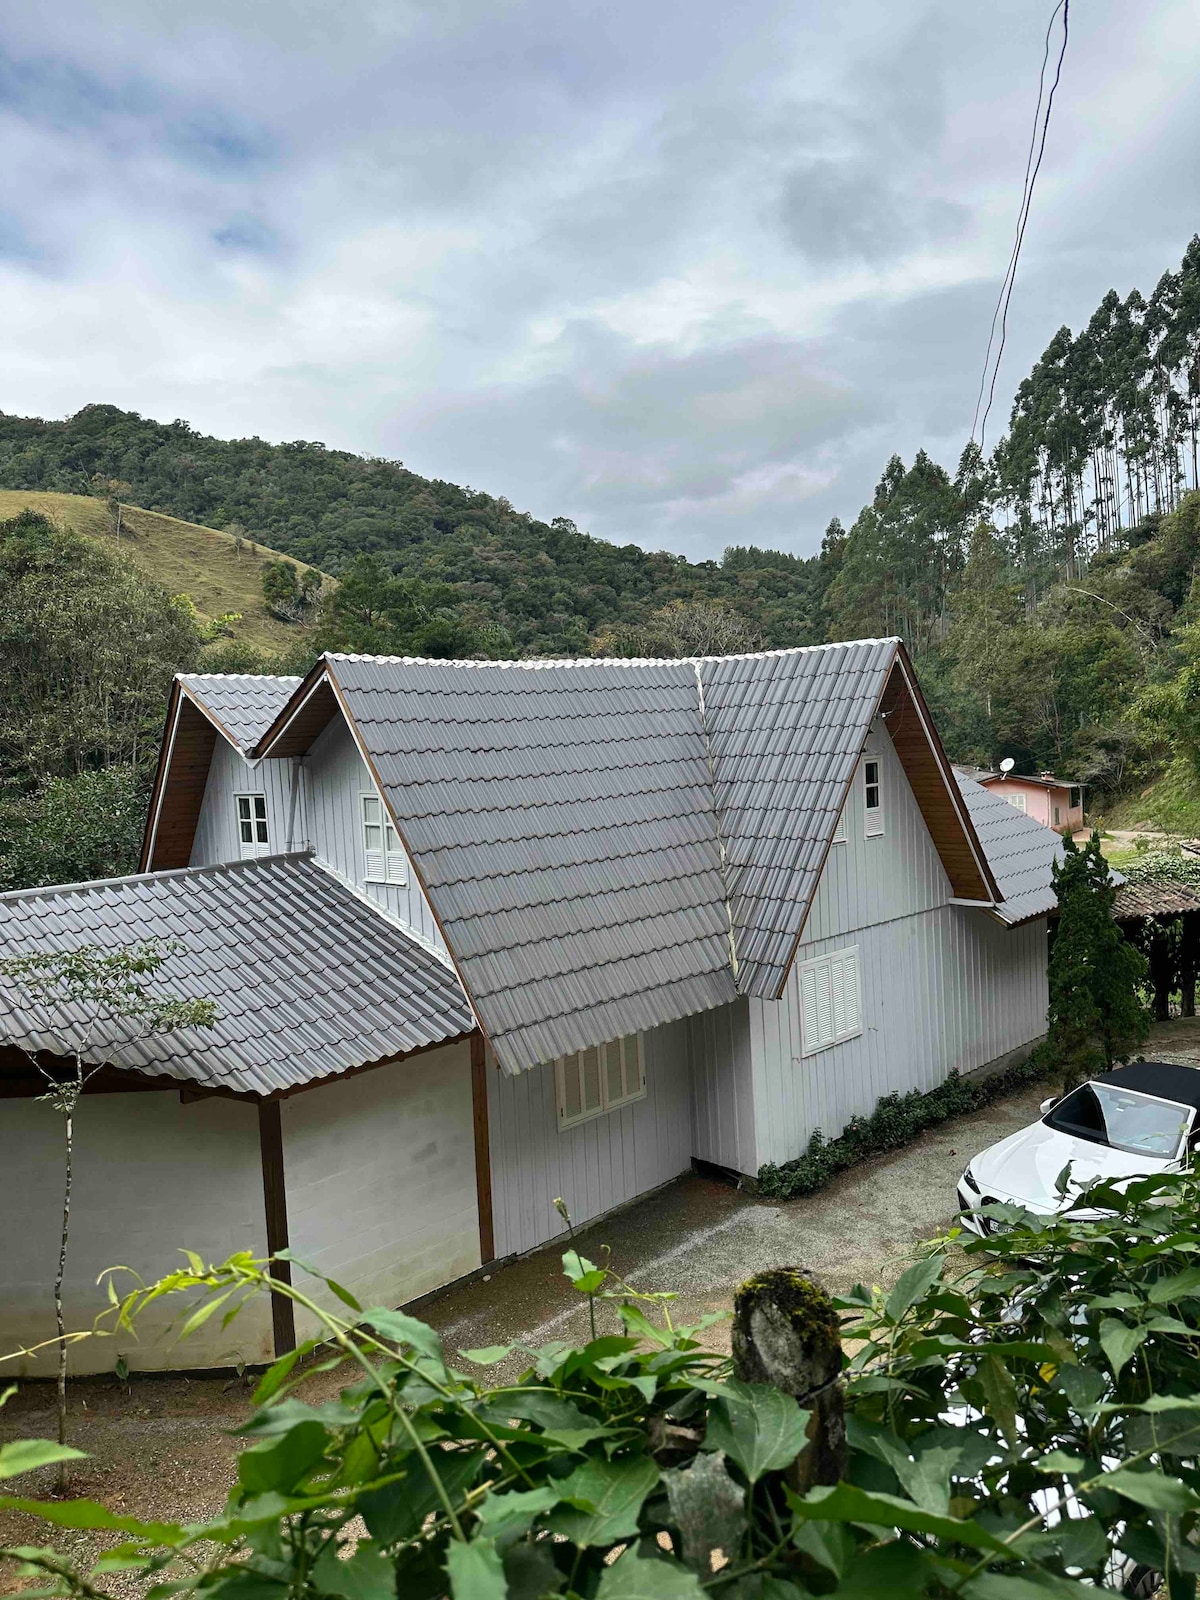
(722, 853)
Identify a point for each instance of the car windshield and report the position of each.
(1137, 1123)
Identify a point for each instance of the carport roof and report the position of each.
(310, 980)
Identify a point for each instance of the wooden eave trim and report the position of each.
(165, 748)
(270, 1146)
(317, 676)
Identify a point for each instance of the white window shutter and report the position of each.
(830, 1000)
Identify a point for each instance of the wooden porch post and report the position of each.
(483, 1153)
(270, 1141)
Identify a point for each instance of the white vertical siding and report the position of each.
(874, 880)
(598, 1164)
(281, 782)
(152, 1177)
(722, 1087)
(950, 988)
(336, 777)
(379, 1171)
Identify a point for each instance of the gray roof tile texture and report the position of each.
(245, 704)
(1019, 849)
(309, 980)
(585, 830)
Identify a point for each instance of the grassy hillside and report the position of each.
(184, 557)
(1171, 803)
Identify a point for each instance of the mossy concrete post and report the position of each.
(786, 1332)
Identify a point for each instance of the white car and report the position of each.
(1129, 1123)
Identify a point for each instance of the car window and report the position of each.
(1136, 1123)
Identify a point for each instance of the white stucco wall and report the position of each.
(379, 1171)
(152, 1176)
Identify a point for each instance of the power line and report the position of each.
(1032, 168)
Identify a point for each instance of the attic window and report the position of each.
(872, 799)
(590, 1082)
(381, 844)
(253, 838)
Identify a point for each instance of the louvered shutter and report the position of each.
(373, 846)
(830, 1000)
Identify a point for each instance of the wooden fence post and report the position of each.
(786, 1332)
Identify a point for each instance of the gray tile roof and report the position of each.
(786, 730)
(561, 818)
(244, 704)
(309, 979)
(1019, 849)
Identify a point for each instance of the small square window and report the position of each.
(253, 836)
(590, 1082)
(872, 799)
(384, 854)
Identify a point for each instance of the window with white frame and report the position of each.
(384, 853)
(590, 1082)
(253, 837)
(872, 799)
(1016, 798)
(830, 1000)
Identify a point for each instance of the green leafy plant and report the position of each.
(1021, 1422)
(896, 1120)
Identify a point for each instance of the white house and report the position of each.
(486, 933)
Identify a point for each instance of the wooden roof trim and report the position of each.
(166, 745)
(307, 712)
(180, 782)
(917, 743)
(983, 890)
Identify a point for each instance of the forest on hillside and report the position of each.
(1047, 589)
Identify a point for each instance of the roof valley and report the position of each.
(723, 854)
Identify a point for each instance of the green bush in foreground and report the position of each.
(1025, 1425)
(896, 1120)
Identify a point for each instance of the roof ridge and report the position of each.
(214, 868)
(257, 677)
(532, 663)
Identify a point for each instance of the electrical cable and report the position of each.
(1031, 173)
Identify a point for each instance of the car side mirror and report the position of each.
(1048, 1105)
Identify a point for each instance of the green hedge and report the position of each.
(896, 1120)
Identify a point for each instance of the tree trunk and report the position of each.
(69, 1136)
(1189, 960)
(786, 1333)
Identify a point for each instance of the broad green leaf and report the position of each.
(585, 1275)
(91, 1514)
(365, 1575)
(829, 1543)
(638, 1323)
(895, 1569)
(913, 1283)
(402, 1329)
(398, 1510)
(1081, 1542)
(276, 1375)
(561, 1420)
(505, 1516)
(1183, 1285)
(1060, 1461)
(606, 1499)
(636, 1577)
(530, 1571)
(487, 1355)
(202, 1313)
(758, 1426)
(1001, 1393)
(282, 1464)
(1037, 1586)
(1118, 1341)
(1153, 1490)
(708, 1508)
(476, 1571)
(237, 1584)
(1084, 1387)
(25, 1455)
(845, 1502)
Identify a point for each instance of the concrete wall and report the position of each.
(380, 1177)
(152, 1176)
(596, 1165)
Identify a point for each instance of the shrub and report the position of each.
(896, 1120)
(1026, 1425)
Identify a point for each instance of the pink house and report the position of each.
(1055, 801)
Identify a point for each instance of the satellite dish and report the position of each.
(1007, 765)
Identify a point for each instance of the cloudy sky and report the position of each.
(685, 271)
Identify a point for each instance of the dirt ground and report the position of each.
(159, 1447)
